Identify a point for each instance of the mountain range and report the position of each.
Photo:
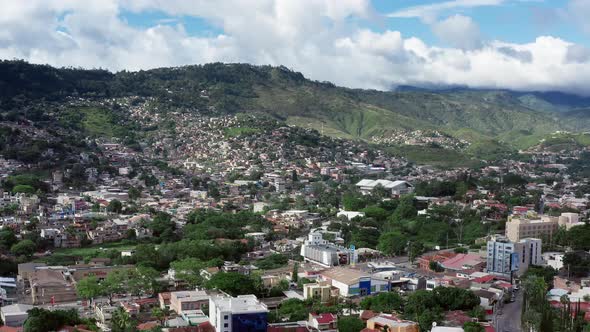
(493, 119)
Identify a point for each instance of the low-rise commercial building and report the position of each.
(351, 282)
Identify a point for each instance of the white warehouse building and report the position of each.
(317, 250)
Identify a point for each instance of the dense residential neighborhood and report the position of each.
(241, 223)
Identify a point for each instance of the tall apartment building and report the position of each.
(505, 256)
(319, 251)
(242, 313)
(535, 226)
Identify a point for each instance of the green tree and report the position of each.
(115, 206)
(293, 310)
(375, 212)
(405, 209)
(160, 314)
(146, 254)
(189, 270)
(114, 283)
(427, 317)
(23, 248)
(134, 193)
(392, 243)
(234, 283)
(473, 327)
(295, 273)
(23, 189)
(163, 227)
(143, 280)
(89, 288)
(273, 261)
(213, 190)
(121, 321)
(451, 298)
(419, 301)
(350, 324)
(415, 249)
(382, 302)
(545, 272)
(7, 238)
(353, 202)
(478, 312)
(43, 320)
(577, 263)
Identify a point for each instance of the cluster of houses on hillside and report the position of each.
(293, 179)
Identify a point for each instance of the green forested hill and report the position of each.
(516, 120)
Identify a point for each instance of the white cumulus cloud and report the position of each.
(323, 39)
(458, 31)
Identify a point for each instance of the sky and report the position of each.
(523, 45)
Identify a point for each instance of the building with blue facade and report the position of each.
(242, 313)
(512, 258)
(351, 282)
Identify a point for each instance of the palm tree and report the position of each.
(121, 320)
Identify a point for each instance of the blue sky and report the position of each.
(378, 44)
(513, 21)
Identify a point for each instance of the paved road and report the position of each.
(509, 321)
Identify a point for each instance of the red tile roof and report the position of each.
(457, 262)
(484, 279)
(146, 301)
(325, 318)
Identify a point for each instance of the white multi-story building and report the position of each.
(317, 250)
(505, 257)
(242, 313)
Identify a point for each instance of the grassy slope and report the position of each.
(434, 156)
(67, 255)
(565, 141)
(493, 121)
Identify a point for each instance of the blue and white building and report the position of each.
(505, 257)
(352, 282)
(242, 313)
